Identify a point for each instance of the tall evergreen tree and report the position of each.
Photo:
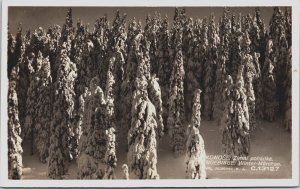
(154, 92)
(101, 35)
(195, 152)
(97, 144)
(61, 149)
(38, 105)
(14, 131)
(236, 138)
(164, 70)
(249, 74)
(142, 153)
(176, 99)
(269, 83)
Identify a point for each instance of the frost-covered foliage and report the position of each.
(195, 152)
(176, 100)
(34, 66)
(219, 88)
(195, 155)
(242, 66)
(280, 34)
(100, 38)
(97, 158)
(43, 107)
(151, 32)
(110, 155)
(236, 138)
(164, 65)
(133, 44)
(125, 172)
(117, 51)
(39, 111)
(154, 92)
(14, 131)
(269, 83)
(62, 148)
(250, 73)
(210, 69)
(142, 152)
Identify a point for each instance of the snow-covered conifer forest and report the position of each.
(149, 100)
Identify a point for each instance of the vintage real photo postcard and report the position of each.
(149, 93)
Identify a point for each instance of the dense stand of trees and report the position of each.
(71, 89)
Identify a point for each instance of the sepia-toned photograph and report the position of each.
(141, 93)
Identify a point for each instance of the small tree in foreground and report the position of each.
(195, 152)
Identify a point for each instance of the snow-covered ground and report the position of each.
(268, 140)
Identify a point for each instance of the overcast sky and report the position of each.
(33, 17)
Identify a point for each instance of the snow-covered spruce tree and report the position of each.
(269, 85)
(218, 105)
(90, 152)
(191, 48)
(82, 58)
(110, 97)
(234, 46)
(110, 155)
(62, 131)
(84, 117)
(236, 138)
(176, 99)
(68, 34)
(222, 64)
(34, 66)
(210, 69)
(37, 46)
(52, 47)
(38, 41)
(109, 90)
(151, 35)
(44, 109)
(202, 56)
(249, 74)
(127, 87)
(117, 52)
(283, 56)
(258, 89)
(154, 92)
(38, 115)
(195, 152)
(257, 36)
(16, 57)
(164, 70)
(97, 157)
(14, 131)
(85, 113)
(142, 152)
(256, 31)
(100, 40)
(279, 32)
(194, 65)
(195, 155)
(125, 172)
